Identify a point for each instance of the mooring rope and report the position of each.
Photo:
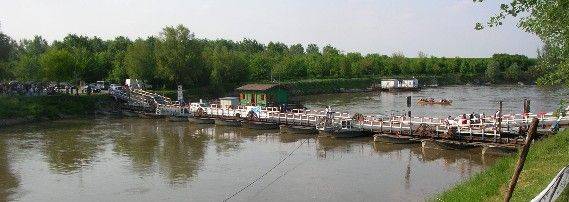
(268, 171)
(279, 177)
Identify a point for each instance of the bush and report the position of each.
(48, 106)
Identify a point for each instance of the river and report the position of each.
(466, 99)
(131, 159)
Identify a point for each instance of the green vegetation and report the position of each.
(318, 86)
(545, 159)
(39, 107)
(177, 57)
(548, 20)
(564, 196)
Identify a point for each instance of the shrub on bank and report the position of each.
(544, 160)
(48, 106)
(318, 86)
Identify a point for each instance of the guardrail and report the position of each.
(555, 187)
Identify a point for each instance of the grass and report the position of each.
(48, 106)
(545, 159)
(564, 196)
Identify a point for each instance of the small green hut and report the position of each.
(262, 95)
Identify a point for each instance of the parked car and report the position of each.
(94, 88)
(102, 85)
(115, 87)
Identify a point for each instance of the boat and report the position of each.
(178, 118)
(228, 122)
(440, 102)
(261, 125)
(292, 129)
(181, 116)
(344, 130)
(201, 120)
(499, 150)
(395, 139)
(447, 144)
(152, 116)
(129, 114)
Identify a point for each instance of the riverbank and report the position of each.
(544, 160)
(22, 109)
(325, 86)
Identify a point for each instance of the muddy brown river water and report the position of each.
(131, 159)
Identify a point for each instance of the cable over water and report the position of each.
(268, 171)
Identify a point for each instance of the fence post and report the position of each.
(522, 159)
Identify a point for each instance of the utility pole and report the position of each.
(522, 159)
(409, 115)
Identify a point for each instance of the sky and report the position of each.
(435, 27)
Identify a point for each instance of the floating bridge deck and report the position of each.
(480, 129)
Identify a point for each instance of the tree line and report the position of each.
(548, 20)
(177, 57)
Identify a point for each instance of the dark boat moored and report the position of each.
(344, 130)
(201, 120)
(395, 139)
(152, 116)
(178, 118)
(499, 150)
(292, 129)
(228, 122)
(447, 144)
(260, 125)
(345, 133)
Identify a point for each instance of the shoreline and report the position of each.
(545, 158)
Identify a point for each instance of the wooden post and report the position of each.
(499, 117)
(522, 159)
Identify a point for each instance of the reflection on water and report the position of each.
(8, 180)
(134, 159)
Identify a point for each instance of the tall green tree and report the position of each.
(492, 72)
(228, 68)
(260, 66)
(115, 55)
(140, 61)
(312, 49)
(8, 48)
(59, 65)
(513, 73)
(178, 57)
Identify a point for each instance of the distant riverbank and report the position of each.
(545, 159)
(21, 109)
(323, 86)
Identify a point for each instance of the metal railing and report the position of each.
(555, 187)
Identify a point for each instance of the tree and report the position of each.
(296, 49)
(8, 49)
(491, 72)
(228, 68)
(251, 46)
(59, 65)
(291, 67)
(352, 67)
(139, 60)
(312, 49)
(276, 49)
(397, 63)
(548, 20)
(178, 57)
(260, 67)
(28, 66)
(114, 55)
(513, 73)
